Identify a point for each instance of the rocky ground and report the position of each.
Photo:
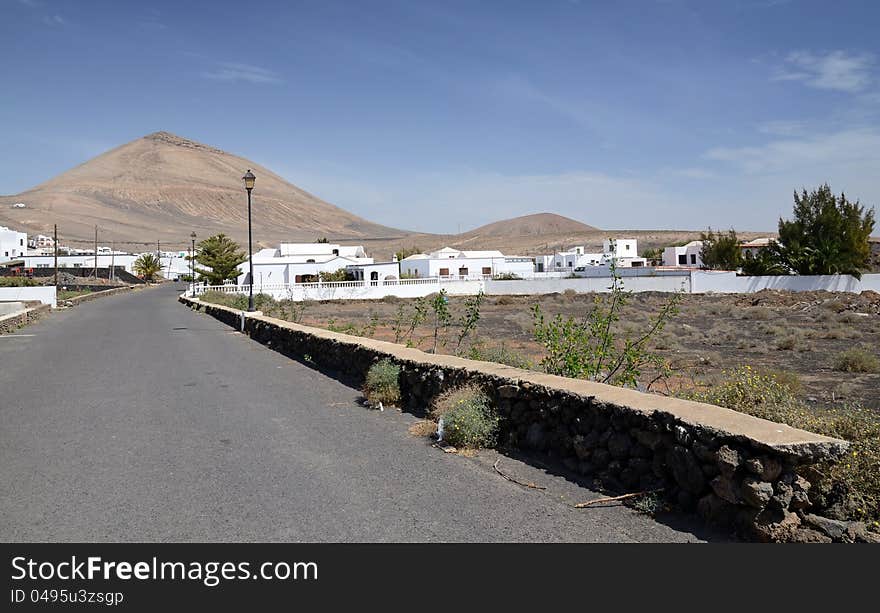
(798, 336)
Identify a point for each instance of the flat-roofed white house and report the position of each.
(755, 245)
(84, 261)
(13, 244)
(301, 262)
(455, 263)
(684, 256)
(378, 273)
(624, 253)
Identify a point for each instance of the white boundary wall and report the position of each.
(44, 293)
(704, 282)
(690, 282)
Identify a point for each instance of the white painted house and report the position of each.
(454, 263)
(301, 262)
(684, 256)
(624, 253)
(377, 273)
(84, 261)
(755, 245)
(13, 244)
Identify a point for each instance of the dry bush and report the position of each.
(856, 360)
(382, 383)
(758, 313)
(468, 418)
(423, 427)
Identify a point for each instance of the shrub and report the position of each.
(788, 343)
(468, 418)
(854, 482)
(856, 360)
(500, 355)
(17, 282)
(382, 383)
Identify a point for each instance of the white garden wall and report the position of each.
(44, 293)
(692, 282)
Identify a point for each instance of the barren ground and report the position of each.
(796, 335)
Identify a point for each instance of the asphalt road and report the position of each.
(131, 418)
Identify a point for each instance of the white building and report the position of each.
(624, 253)
(684, 255)
(41, 241)
(13, 245)
(448, 263)
(84, 261)
(377, 273)
(301, 262)
(755, 245)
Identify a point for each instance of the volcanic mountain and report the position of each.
(539, 224)
(163, 186)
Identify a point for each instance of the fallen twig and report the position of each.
(590, 503)
(512, 480)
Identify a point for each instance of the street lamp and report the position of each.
(249, 180)
(192, 262)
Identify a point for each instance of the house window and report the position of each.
(462, 272)
(487, 270)
(683, 259)
(570, 264)
(627, 247)
(444, 272)
(336, 252)
(693, 258)
(310, 261)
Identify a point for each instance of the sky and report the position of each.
(442, 116)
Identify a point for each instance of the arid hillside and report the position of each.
(163, 186)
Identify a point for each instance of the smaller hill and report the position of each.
(539, 224)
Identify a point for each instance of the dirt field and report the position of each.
(798, 336)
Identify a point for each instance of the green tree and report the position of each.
(323, 239)
(148, 265)
(763, 263)
(221, 256)
(720, 251)
(406, 252)
(336, 275)
(828, 235)
(588, 347)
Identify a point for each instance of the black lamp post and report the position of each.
(249, 180)
(192, 262)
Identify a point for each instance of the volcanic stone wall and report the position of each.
(733, 469)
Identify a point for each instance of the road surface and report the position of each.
(132, 418)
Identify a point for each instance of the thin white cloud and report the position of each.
(835, 70)
(517, 87)
(854, 147)
(783, 127)
(234, 71)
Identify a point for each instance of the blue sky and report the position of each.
(439, 115)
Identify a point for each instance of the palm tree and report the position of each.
(148, 266)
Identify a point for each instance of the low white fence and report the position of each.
(704, 282)
(44, 293)
(688, 281)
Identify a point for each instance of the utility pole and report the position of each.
(96, 253)
(56, 257)
(112, 273)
